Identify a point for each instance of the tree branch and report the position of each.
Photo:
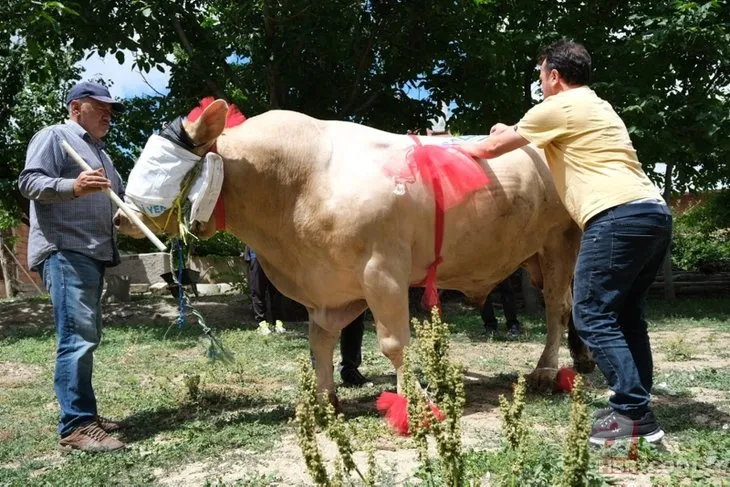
(272, 71)
(189, 48)
(366, 104)
(361, 67)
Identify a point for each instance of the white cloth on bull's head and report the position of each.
(155, 180)
(206, 188)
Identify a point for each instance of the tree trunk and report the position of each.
(669, 293)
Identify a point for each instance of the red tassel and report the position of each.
(234, 117)
(431, 293)
(565, 380)
(395, 409)
(457, 174)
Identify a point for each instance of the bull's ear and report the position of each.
(209, 125)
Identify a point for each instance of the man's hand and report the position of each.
(471, 149)
(91, 182)
(498, 128)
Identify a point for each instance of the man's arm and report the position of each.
(502, 139)
(41, 178)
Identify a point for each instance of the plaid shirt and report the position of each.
(58, 220)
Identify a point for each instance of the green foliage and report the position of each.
(701, 237)
(576, 456)
(446, 384)
(678, 350)
(314, 411)
(385, 64)
(8, 219)
(222, 243)
(307, 419)
(514, 429)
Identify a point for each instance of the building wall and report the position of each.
(21, 252)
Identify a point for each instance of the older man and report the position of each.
(71, 242)
(627, 229)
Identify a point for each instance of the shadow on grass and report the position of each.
(215, 408)
(676, 414)
(482, 393)
(22, 319)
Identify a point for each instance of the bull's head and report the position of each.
(199, 132)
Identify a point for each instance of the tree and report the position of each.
(676, 101)
(359, 60)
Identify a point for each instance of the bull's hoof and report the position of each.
(332, 398)
(542, 379)
(584, 365)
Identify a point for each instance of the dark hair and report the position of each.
(570, 59)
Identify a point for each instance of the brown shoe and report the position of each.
(91, 438)
(107, 424)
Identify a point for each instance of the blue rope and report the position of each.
(180, 289)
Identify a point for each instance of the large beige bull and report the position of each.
(311, 197)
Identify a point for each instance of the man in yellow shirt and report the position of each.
(627, 229)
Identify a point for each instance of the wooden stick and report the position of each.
(17, 262)
(116, 199)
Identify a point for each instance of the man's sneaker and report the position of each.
(514, 332)
(490, 331)
(353, 378)
(107, 424)
(601, 413)
(90, 438)
(616, 426)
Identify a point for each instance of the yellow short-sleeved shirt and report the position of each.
(589, 152)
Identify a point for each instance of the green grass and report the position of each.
(243, 410)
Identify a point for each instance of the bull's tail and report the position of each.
(582, 359)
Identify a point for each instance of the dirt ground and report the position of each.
(480, 425)
(35, 315)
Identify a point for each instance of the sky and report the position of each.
(126, 78)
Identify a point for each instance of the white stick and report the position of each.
(121, 204)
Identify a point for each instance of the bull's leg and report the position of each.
(557, 261)
(322, 346)
(385, 283)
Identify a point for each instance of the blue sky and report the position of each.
(126, 78)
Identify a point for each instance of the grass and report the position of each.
(239, 421)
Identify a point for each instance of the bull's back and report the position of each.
(499, 227)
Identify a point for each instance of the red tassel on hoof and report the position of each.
(565, 379)
(436, 412)
(395, 409)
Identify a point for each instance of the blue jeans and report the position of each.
(74, 282)
(620, 253)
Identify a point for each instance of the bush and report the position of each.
(701, 238)
(222, 243)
